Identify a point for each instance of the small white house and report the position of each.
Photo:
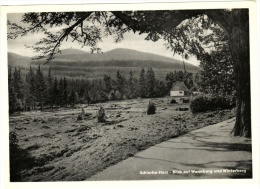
(179, 89)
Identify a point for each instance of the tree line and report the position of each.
(39, 91)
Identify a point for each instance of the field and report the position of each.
(55, 146)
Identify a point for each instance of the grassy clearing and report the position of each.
(63, 148)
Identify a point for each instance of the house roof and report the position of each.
(179, 86)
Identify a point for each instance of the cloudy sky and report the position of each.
(131, 41)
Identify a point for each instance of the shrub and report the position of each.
(101, 115)
(210, 102)
(118, 95)
(173, 101)
(20, 159)
(151, 108)
(13, 141)
(80, 117)
(112, 95)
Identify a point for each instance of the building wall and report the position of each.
(177, 93)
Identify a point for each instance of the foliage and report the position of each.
(42, 90)
(13, 140)
(173, 101)
(15, 90)
(20, 159)
(217, 74)
(142, 86)
(101, 115)
(184, 30)
(151, 108)
(210, 102)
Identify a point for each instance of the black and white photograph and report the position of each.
(129, 95)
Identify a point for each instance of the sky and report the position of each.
(131, 41)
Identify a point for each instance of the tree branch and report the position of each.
(65, 34)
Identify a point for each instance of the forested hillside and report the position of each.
(73, 63)
(38, 90)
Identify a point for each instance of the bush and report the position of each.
(210, 102)
(151, 108)
(112, 95)
(20, 159)
(80, 117)
(118, 95)
(173, 101)
(101, 115)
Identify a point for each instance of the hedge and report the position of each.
(211, 102)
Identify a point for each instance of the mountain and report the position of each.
(16, 60)
(119, 54)
(78, 63)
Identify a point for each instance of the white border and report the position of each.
(231, 183)
(66, 2)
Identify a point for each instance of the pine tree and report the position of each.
(49, 95)
(18, 88)
(107, 84)
(11, 92)
(142, 84)
(60, 95)
(150, 83)
(30, 80)
(159, 89)
(130, 86)
(18, 84)
(55, 92)
(73, 98)
(120, 83)
(65, 92)
(170, 79)
(40, 87)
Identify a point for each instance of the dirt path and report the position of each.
(209, 152)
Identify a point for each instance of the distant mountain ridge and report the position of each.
(16, 60)
(120, 54)
(115, 54)
(75, 63)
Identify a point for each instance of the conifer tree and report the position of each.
(120, 83)
(150, 83)
(73, 98)
(30, 79)
(11, 92)
(65, 92)
(55, 92)
(60, 95)
(18, 84)
(107, 84)
(159, 89)
(49, 92)
(142, 84)
(130, 86)
(40, 87)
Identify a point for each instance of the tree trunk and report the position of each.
(239, 45)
